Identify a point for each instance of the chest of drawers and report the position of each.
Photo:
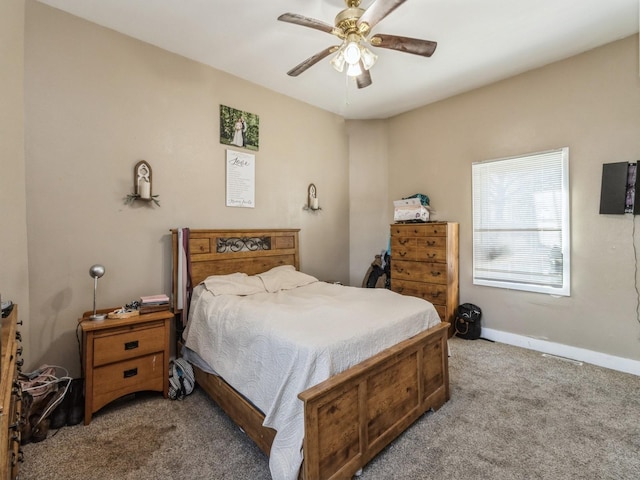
(424, 263)
(10, 397)
(123, 356)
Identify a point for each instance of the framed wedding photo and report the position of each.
(239, 128)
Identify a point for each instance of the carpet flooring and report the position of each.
(513, 414)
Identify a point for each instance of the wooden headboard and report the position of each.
(251, 251)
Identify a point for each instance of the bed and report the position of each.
(347, 418)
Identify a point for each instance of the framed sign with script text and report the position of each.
(241, 179)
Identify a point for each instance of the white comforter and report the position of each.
(272, 346)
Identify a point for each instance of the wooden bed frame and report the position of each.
(350, 417)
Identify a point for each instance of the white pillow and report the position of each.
(234, 284)
(284, 277)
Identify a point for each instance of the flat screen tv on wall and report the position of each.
(619, 191)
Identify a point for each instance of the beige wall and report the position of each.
(96, 103)
(369, 206)
(590, 103)
(14, 279)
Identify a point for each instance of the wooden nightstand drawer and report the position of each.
(117, 379)
(128, 343)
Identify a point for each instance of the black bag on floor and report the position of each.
(468, 318)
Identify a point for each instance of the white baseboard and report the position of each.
(620, 364)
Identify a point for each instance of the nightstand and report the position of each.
(123, 356)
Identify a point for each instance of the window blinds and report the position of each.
(521, 222)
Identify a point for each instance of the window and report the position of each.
(521, 222)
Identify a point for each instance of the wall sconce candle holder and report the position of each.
(312, 199)
(142, 184)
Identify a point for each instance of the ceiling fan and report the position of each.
(353, 26)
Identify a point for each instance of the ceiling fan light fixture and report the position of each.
(354, 70)
(352, 51)
(368, 58)
(338, 61)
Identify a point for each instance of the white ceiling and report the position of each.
(479, 42)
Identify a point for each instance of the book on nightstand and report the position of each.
(154, 303)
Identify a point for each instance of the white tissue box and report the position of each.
(410, 210)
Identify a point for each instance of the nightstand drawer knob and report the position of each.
(130, 373)
(131, 345)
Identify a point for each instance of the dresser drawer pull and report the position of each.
(130, 373)
(432, 255)
(435, 295)
(403, 241)
(435, 274)
(131, 345)
(431, 243)
(402, 254)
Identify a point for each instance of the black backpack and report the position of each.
(467, 321)
(376, 276)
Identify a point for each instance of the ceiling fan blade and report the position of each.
(364, 79)
(376, 12)
(404, 44)
(306, 22)
(311, 61)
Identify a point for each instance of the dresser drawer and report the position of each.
(430, 249)
(419, 230)
(126, 343)
(432, 292)
(117, 379)
(419, 271)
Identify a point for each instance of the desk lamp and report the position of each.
(96, 271)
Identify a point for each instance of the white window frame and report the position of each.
(510, 232)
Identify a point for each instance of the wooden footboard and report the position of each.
(352, 416)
